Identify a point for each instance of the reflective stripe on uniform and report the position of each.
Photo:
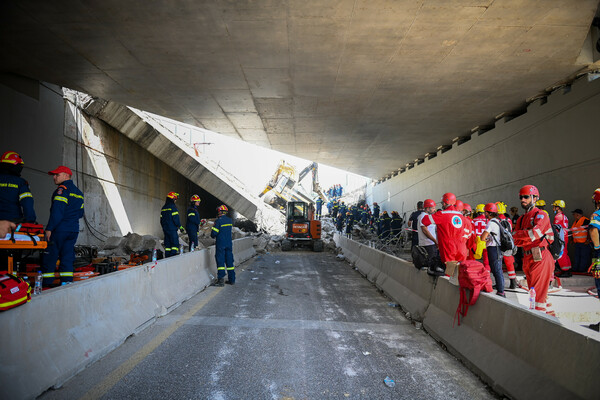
(78, 196)
(221, 268)
(23, 195)
(215, 229)
(48, 275)
(175, 213)
(230, 268)
(66, 274)
(191, 214)
(165, 209)
(60, 198)
(226, 225)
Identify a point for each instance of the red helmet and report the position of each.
(222, 208)
(459, 205)
(375, 203)
(195, 198)
(468, 207)
(596, 195)
(173, 195)
(449, 199)
(428, 203)
(10, 157)
(529, 189)
(491, 207)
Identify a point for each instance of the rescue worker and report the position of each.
(16, 200)
(491, 237)
(170, 222)
(580, 238)
(452, 230)
(364, 215)
(339, 224)
(534, 234)
(594, 230)
(319, 203)
(396, 224)
(413, 224)
(427, 234)
(192, 224)
(459, 206)
(479, 224)
(468, 211)
(349, 223)
(376, 210)
(221, 231)
(62, 229)
(564, 262)
(541, 204)
(509, 261)
(329, 206)
(336, 209)
(343, 210)
(386, 222)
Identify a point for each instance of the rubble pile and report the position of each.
(130, 243)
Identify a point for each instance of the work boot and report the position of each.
(220, 282)
(435, 271)
(564, 274)
(230, 283)
(513, 283)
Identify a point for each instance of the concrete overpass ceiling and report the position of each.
(365, 86)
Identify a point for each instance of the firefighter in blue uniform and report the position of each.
(16, 201)
(169, 220)
(339, 224)
(342, 211)
(221, 231)
(349, 222)
(319, 207)
(396, 224)
(385, 223)
(192, 223)
(62, 229)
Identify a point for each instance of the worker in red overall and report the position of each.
(509, 261)
(564, 262)
(452, 229)
(479, 224)
(533, 233)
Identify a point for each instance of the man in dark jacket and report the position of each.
(221, 231)
(192, 223)
(169, 220)
(16, 201)
(412, 223)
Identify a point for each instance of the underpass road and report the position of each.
(306, 327)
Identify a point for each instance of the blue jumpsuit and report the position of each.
(65, 212)
(319, 207)
(224, 247)
(169, 220)
(192, 224)
(16, 201)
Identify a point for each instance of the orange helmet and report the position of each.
(222, 208)
(195, 198)
(173, 195)
(10, 157)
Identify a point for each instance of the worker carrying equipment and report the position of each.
(221, 231)
(170, 222)
(16, 200)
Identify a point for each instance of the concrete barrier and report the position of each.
(60, 332)
(369, 262)
(520, 353)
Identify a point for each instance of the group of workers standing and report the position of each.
(62, 229)
(457, 233)
(384, 225)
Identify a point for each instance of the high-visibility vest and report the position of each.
(579, 234)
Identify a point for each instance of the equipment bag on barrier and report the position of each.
(472, 278)
(14, 291)
(420, 257)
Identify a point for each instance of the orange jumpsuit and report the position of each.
(533, 230)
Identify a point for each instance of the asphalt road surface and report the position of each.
(297, 325)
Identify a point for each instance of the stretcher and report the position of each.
(19, 242)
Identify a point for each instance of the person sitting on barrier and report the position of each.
(491, 237)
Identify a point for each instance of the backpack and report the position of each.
(420, 257)
(14, 291)
(506, 242)
(557, 247)
(472, 277)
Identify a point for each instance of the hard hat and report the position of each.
(491, 207)
(540, 203)
(529, 189)
(222, 208)
(375, 203)
(173, 195)
(468, 207)
(428, 203)
(195, 198)
(596, 195)
(501, 207)
(449, 199)
(385, 212)
(559, 203)
(459, 205)
(479, 208)
(10, 157)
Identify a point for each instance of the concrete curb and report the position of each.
(520, 353)
(60, 332)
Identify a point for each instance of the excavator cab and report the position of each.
(301, 227)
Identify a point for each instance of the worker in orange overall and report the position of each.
(534, 234)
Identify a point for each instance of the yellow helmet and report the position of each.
(540, 203)
(501, 207)
(480, 208)
(559, 203)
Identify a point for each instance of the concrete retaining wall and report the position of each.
(60, 332)
(520, 353)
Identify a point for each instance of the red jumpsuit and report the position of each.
(509, 261)
(452, 230)
(479, 224)
(564, 262)
(529, 233)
